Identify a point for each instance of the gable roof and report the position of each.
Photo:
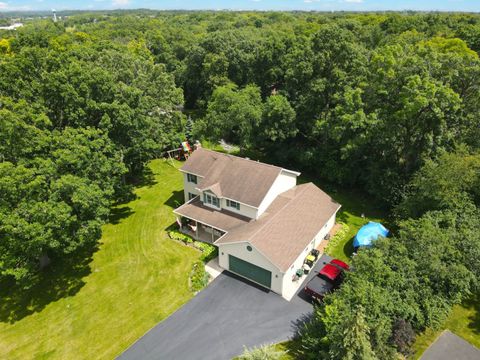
(232, 177)
(289, 224)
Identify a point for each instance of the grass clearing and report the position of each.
(464, 321)
(136, 278)
(357, 210)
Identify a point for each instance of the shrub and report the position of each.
(264, 352)
(177, 235)
(198, 276)
(337, 238)
(403, 336)
(209, 251)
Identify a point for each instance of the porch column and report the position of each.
(212, 235)
(196, 230)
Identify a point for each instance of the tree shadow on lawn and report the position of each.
(348, 247)
(175, 200)
(474, 323)
(61, 279)
(117, 214)
(145, 179)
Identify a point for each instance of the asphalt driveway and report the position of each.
(223, 318)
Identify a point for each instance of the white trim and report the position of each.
(296, 173)
(261, 253)
(188, 172)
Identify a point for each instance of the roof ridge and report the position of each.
(279, 210)
(230, 156)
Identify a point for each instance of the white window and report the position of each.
(233, 204)
(191, 196)
(192, 178)
(211, 199)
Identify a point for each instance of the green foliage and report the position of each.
(209, 251)
(177, 235)
(233, 114)
(198, 276)
(336, 240)
(449, 182)
(264, 352)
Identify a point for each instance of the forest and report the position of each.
(386, 103)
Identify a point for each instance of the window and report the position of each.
(249, 248)
(210, 199)
(233, 204)
(191, 196)
(192, 178)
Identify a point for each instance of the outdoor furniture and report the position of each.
(306, 268)
(315, 253)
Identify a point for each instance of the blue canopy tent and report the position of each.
(368, 234)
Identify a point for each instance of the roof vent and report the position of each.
(247, 158)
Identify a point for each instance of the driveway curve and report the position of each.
(219, 321)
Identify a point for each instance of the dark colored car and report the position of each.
(329, 278)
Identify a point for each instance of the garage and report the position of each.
(250, 271)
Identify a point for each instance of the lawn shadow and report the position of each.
(145, 179)
(348, 247)
(63, 278)
(65, 275)
(474, 319)
(119, 213)
(175, 200)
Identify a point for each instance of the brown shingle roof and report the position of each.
(220, 219)
(239, 179)
(288, 226)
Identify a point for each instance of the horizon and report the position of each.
(471, 6)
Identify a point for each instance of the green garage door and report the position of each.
(250, 271)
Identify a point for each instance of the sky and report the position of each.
(319, 5)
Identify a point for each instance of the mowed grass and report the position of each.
(464, 321)
(136, 278)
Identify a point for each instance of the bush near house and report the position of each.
(198, 277)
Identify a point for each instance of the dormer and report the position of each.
(211, 200)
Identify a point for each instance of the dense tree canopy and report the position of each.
(387, 103)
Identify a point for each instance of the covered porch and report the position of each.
(198, 230)
(205, 223)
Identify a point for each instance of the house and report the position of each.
(263, 223)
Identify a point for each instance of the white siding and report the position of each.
(240, 250)
(245, 210)
(189, 187)
(290, 287)
(284, 181)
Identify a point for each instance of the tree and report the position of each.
(448, 182)
(278, 121)
(403, 336)
(356, 341)
(264, 352)
(233, 114)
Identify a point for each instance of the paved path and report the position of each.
(223, 318)
(449, 346)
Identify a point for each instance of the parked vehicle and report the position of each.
(328, 279)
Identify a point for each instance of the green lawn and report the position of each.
(136, 278)
(464, 321)
(354, 204)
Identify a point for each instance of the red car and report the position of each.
(329, 278)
